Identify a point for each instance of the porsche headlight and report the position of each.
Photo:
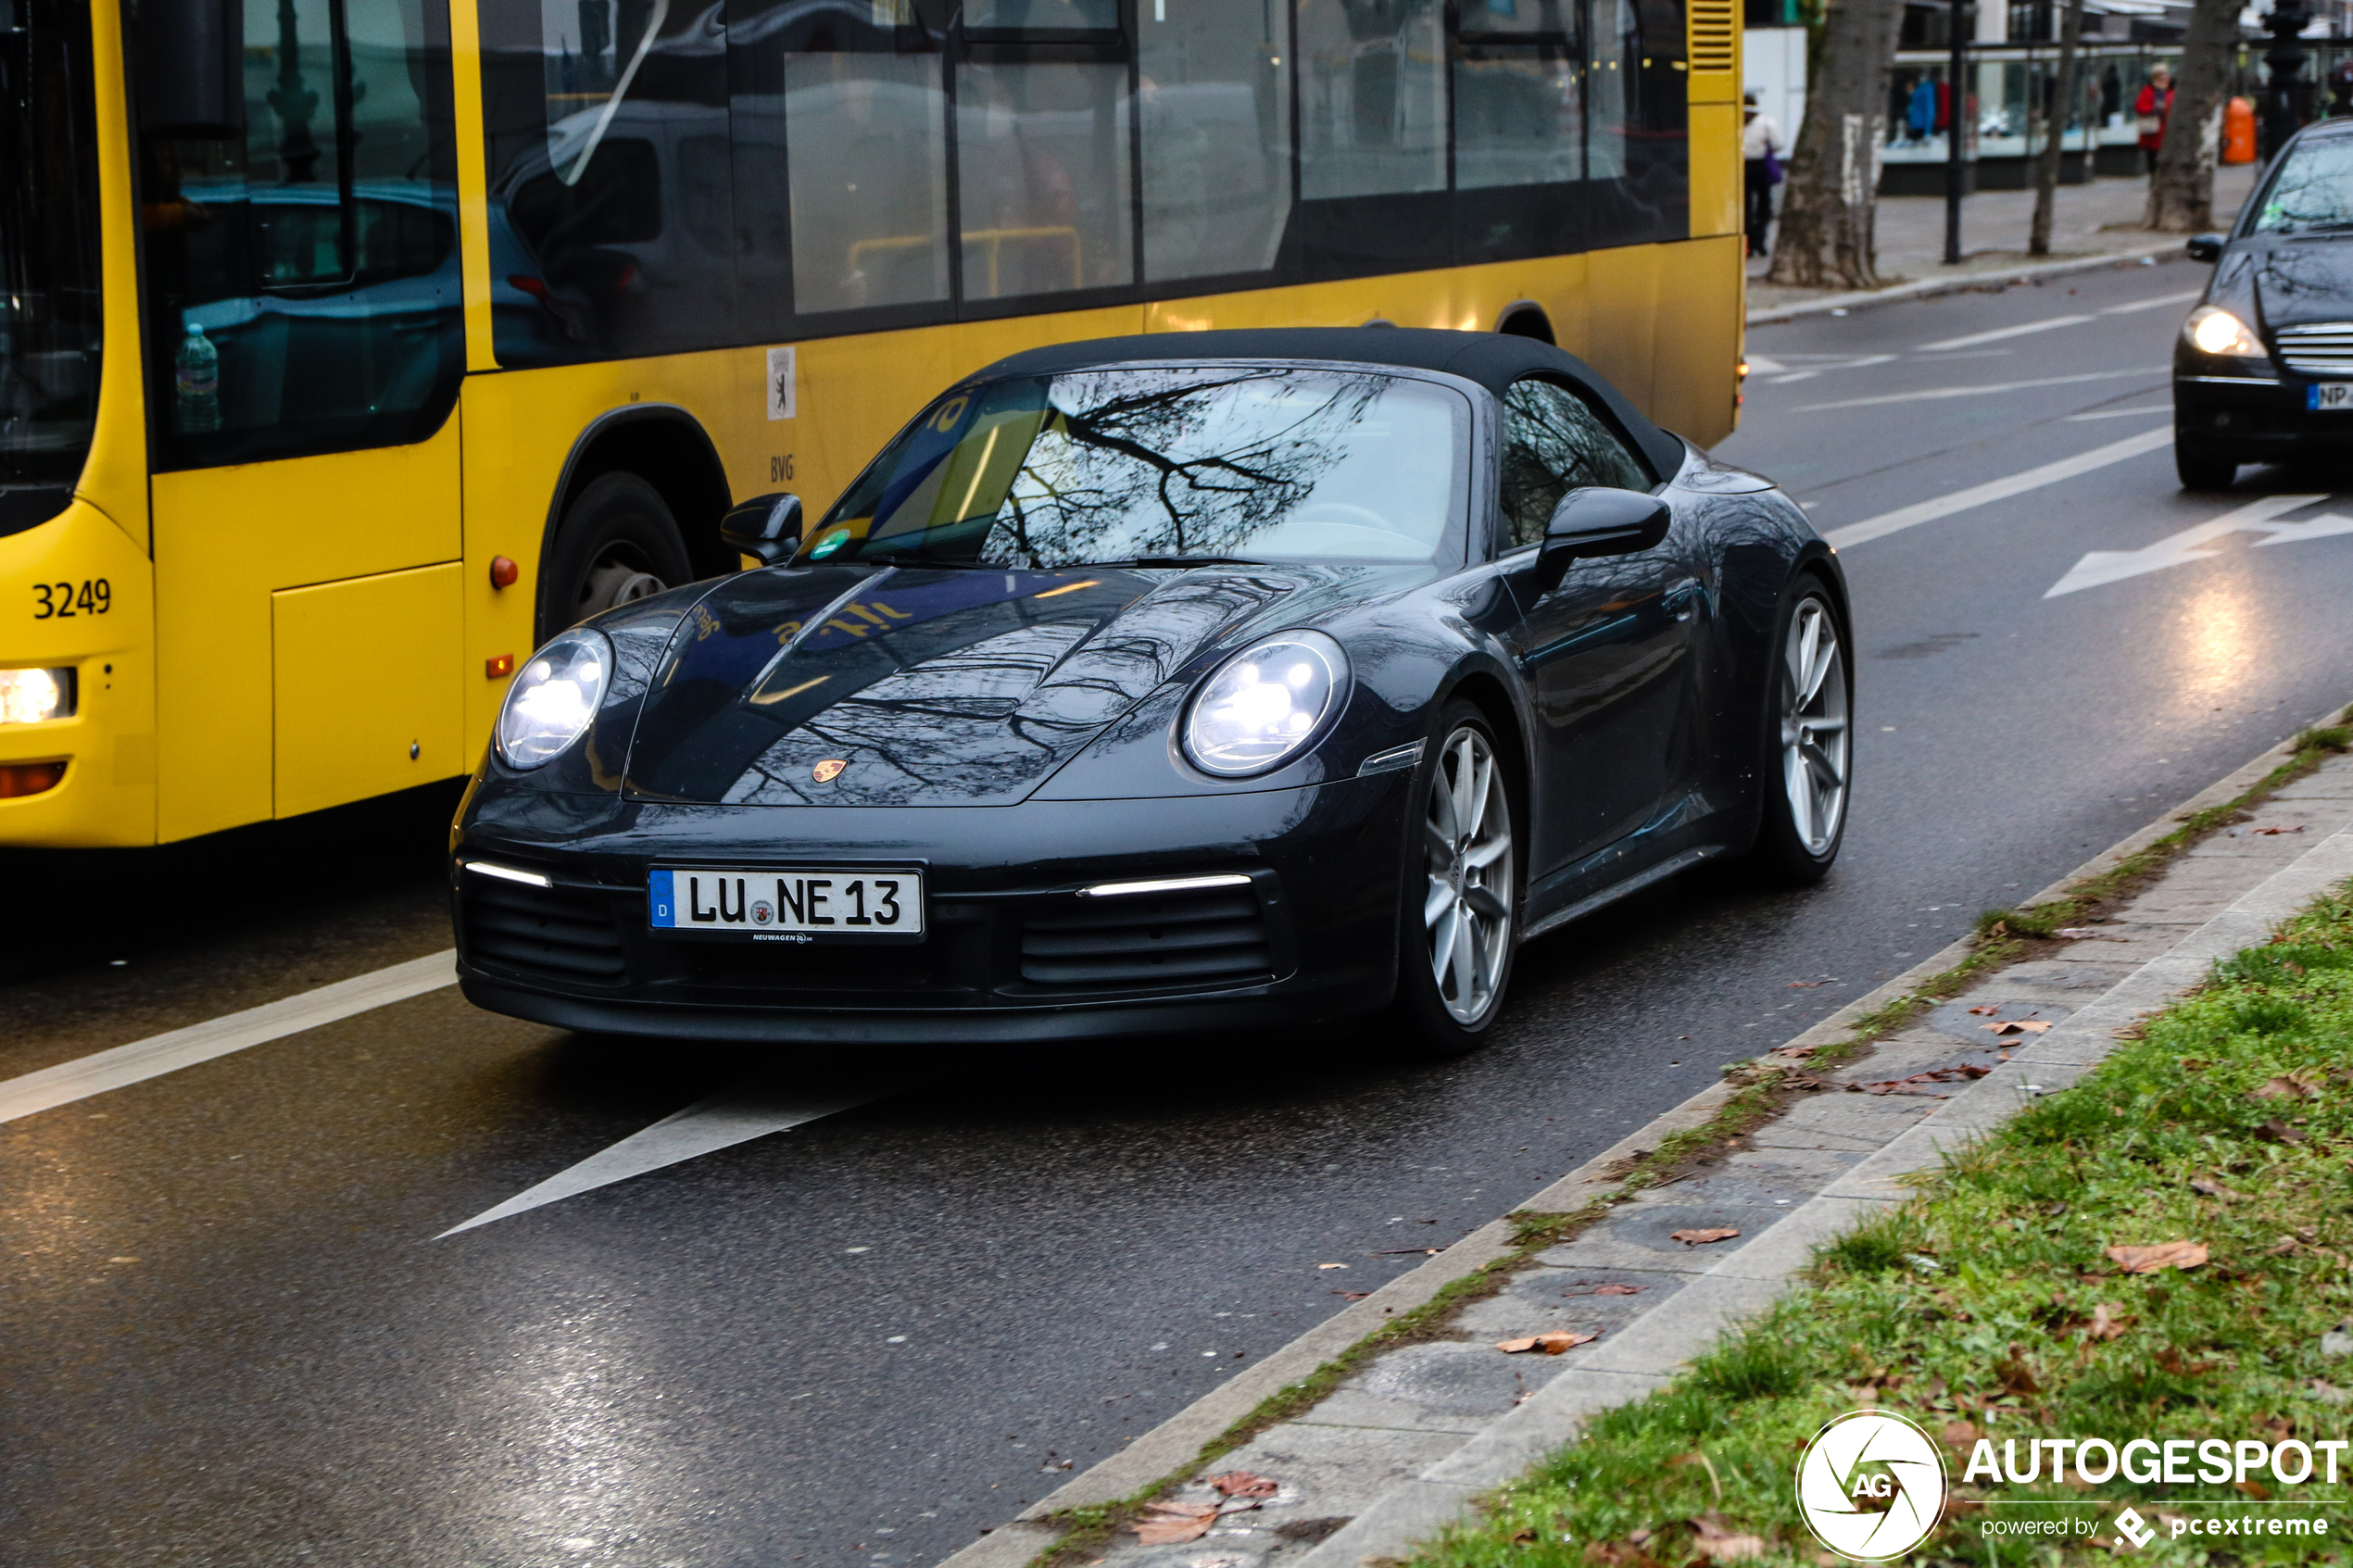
(553, 697)
(1265, 704)
(2212, 329)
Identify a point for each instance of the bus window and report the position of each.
(612, 229)
(1640, 135)
(1372, 97)
(1043, 177)
(1519, 116)
(49, 276)
(1216, 131)
(851, 101)
(1083, 16)
(302, 273)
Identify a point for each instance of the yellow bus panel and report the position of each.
(367, 714)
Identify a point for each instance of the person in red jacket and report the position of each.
(2149, 111)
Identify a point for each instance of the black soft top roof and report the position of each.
(1492, 360)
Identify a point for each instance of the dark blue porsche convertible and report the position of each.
(1206, 679)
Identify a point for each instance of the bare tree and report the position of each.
(1826, 239)
(2067, 98)
(2182, 196)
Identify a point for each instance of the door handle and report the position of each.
(1681, 598)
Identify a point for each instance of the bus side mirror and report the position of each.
(2205, 248)
(1600, 522)
(192, 68)
(765, 526)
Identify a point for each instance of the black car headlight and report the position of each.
(554, 697)
(2212, 329)
(1264, 705)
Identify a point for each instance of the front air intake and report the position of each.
(1189, 938)
(546, 933)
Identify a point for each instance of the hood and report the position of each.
(934, 686)
(2300, 281)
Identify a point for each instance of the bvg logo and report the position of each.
(1871, 1486)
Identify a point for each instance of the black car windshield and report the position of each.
(2314, 189)
(1167, 464)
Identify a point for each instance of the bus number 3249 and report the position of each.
(59, 601)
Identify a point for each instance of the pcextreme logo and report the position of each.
(1871, 1486)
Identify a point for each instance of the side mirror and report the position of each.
(192, 68)
(2206, 247)
(767, 526)
(1596, 521)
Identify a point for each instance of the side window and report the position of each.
(302, 267)
(1554, 442)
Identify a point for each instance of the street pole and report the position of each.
(2285, 105)
(1957, 105)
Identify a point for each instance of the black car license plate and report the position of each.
(791, 904)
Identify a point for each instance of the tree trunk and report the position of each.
(2182, 196)
(2066, 99)
(1825, 240)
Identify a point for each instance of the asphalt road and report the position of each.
(230, 1337)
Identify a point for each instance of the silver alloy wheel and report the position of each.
(1467, 912)
(1814, 745)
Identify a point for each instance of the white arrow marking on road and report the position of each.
(2000, 332)
(1997, 489)
(2200, 543)
(730, 1116)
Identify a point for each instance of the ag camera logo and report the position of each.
(1871, 1486)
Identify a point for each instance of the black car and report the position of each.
(1224, 679)
(2263, 369)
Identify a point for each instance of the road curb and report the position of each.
(1170, 1447)
(2164, 251)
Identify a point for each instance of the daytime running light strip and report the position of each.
(508, 874)
(1166, 885)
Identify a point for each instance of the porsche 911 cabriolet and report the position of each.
(1219, 679)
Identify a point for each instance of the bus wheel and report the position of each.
(618, 543)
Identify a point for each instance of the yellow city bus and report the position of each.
(350, 347)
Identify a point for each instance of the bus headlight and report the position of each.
(2215, 331)
(1264, 704)
(553, 697)
(28, 696)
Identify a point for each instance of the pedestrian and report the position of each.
(1921, 113)
(1761, 150)
(2148, 112)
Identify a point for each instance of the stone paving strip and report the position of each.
(1404, 1446)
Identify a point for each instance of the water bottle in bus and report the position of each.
(199, 381)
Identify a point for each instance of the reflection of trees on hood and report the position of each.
(1175, 463)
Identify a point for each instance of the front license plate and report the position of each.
(2329, 395)
(795, 904)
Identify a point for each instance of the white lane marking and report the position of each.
(2183, 298)
(159, 1054)
(2121, 413)
(1986, 389)
(1763, 365)
(1857, 363)
(1997, 489)
(1999, 334)
(730, 1116)
(2199, 544)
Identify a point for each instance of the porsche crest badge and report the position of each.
(829, 769)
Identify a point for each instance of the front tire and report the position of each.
(2202, 471)
(1808, 745)
(1459, 914)
(618, 544)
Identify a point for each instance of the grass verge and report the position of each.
(1989, 1306)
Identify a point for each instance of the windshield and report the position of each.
(48, 257)
(1166, 464)
(2313, 190)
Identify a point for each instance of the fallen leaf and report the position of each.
(2328, 1393)
(1987, 1012)
(1713, 1541)
(1243, 1484)
(1523, 1536)
(2277, 1131)
(1551, 1344)
(1351, 1295)
(1331, 1265)
(2269, 831)
(1961, 1435)
(2018, 1026)
(2106, 1324)
(1168, 1523)
(2279, 1428)
(1640, 1536)
(1798, 1052)
(2168, 1360)
(1808, 984)
(2077, 932)
(2295, 1086)
(2161, 1255)
(1617, 1291)
(2015, 1376)
(2213, 1187)
(1701, 1238)
(1912, 1084)
(2254, 1490)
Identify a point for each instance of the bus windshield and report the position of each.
(49, 277)
(1167, 464)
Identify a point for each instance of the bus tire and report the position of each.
(618, 543)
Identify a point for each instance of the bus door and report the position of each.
(298, 219)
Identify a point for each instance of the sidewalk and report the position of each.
(2098, 220)
(1405, 1444)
